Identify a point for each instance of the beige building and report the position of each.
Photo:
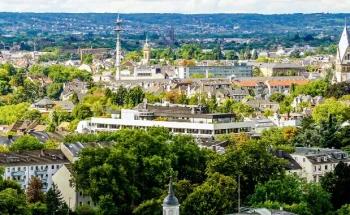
(70, 195)
(281, 69)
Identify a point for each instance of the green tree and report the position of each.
(135, 96)
(314, 88)
(214, 197)
(54, 90)
(81, 112)
(277, 97)
(338, 109)
(85, 210)
(338, 90)
(253, 161)
(38, 208)
(74, 98)
(54, 202)
(13, 202)
(344, 210)
(290, 191)
(337, 183)
(26, 142)
(88, 59)
(34, 192)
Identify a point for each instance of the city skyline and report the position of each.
(181, 6)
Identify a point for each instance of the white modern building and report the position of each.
(178, 119)
(22, 166)
(235, 70)
(316, 162)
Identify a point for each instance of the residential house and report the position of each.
(22, 166)
(316, 162)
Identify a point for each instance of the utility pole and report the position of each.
(239, 193)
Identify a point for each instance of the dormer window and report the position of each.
(318, 159)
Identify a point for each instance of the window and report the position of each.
(8, 170)
(52, 166)
(24, 168)
(326, 167)
(57, 166)
(31, 168)
(18, 168)
(303, 159)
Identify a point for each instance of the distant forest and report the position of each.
(97, 29)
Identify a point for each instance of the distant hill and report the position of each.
(50, 26)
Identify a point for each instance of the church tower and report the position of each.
(146, 53)
(343, 57)
(171, 205)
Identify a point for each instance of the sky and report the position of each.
(177, 6)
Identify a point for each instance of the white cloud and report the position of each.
(177, 6)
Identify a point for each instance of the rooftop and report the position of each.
(36, 157)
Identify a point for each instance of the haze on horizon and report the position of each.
(177, 6)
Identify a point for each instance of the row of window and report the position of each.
(46, 167)
(189, 131)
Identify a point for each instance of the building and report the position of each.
(263, 211)
(22, 166)
(179, 119)
(343, 57)
(72, 197)
(316, 162)
(146, 53)
(234, 70)
(171, 205)
(281, 69)
(46, 105)
(269, 85)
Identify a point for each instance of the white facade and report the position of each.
(195, 129)
(315, 162)
(171, 210)
(236, 70)
(23, 173)
(42, 164)
(198, 127)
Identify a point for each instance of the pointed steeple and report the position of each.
(171, 199)
(344, 43)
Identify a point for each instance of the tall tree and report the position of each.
(55, 203)
(337, 183)
(34, 191)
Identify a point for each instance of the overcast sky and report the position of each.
(177, 6)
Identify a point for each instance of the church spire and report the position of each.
(171, 204)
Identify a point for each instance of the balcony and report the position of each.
(40, 172)
(18, 173)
